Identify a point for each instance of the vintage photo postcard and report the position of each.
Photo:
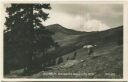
(63, 40)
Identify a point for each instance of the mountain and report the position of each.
(63, 35)
(106, 61)
(58, 28)
(78, 39)
(66, 36)
(107, 56)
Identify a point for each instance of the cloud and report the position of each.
(86, 17)
(77, 22)
(95, 25)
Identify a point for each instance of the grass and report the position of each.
(106, 65)
(106, 61)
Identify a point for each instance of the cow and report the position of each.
(90, 48)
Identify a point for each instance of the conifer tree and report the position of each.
(25, 34)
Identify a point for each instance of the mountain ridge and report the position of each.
(58, 27)
(55, 27)
(65, 36)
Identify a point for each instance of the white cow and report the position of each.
(89, 46)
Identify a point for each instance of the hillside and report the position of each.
(105, 62)
(67, 36)
(58, 28)
(64, 35)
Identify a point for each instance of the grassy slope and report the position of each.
(106, 61)
(109, 60)
(107, 57)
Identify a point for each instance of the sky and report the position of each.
(86, 17)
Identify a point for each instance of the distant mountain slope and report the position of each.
(62, 34)
(114, 34)
(58, 28)
(67, 36)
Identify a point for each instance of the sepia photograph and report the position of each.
(62, 40)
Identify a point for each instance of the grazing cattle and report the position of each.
(90, 48)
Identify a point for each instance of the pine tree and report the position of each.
(25, 34)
